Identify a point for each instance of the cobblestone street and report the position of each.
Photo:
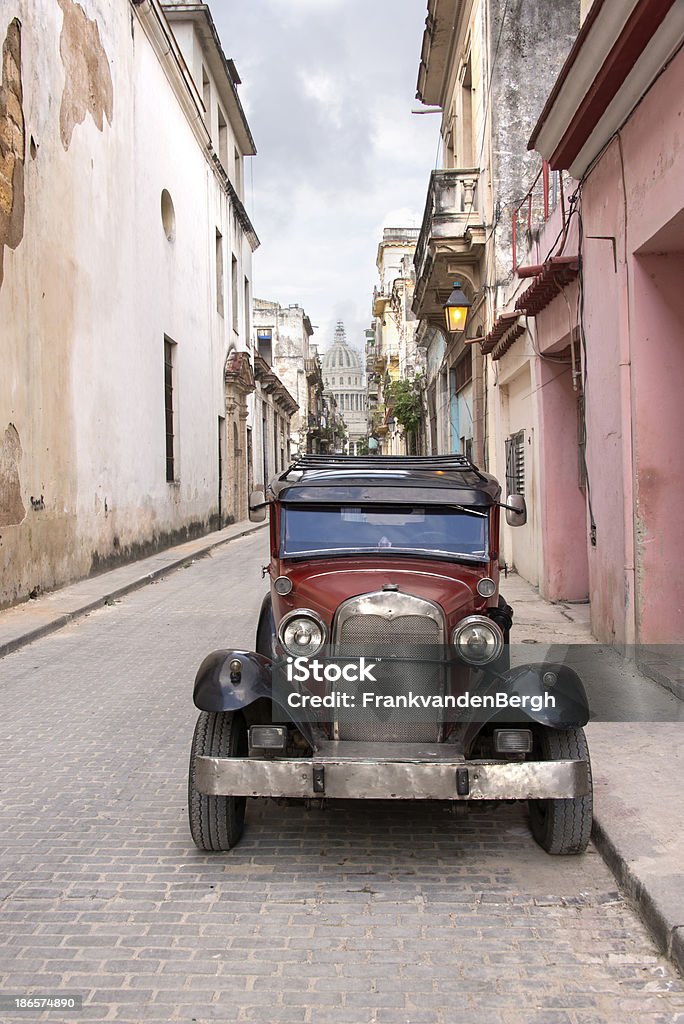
(355, 914)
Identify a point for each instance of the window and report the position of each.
(168, 215)
(515, 463)
(219, 273)
(206, 97)
(237, 162)
(234, 293)
(463, 371)
(467, 148)
(265, 344)
(223, 139)
(248, 307)
(169, 371)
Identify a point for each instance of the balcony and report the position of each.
(380, 300)
(451, 240)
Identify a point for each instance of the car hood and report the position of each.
(322, 585)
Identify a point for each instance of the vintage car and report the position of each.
(382, 666)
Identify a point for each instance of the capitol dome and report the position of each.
(341, 357)
(344, 376)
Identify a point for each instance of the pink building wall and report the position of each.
(634, 317)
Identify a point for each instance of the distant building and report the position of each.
(283, 339)
(391, 351)
(345, 377)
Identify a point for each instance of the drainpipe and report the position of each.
(628, 461)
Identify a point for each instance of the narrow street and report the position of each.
(356, 914)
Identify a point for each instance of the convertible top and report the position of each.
(395, 479)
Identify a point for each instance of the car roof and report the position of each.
(396, 479)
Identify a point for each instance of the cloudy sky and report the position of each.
(328, 88)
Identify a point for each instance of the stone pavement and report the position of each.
(144, 856)
(360, 913)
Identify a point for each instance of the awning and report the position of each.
(555, 274)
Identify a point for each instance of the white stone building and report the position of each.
(125, 284)
(391, 351)
(345, 377)
(283, 338)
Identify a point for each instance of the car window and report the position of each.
(317, 529)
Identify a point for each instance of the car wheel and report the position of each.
(562, 827)
(216, 822)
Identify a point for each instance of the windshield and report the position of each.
(384, 529)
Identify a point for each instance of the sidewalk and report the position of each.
(638, 765)
(638, 769)
(29, 621)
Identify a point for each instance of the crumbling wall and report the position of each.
(528, 43)
(12, 509)
(88, 87)
(12, 144)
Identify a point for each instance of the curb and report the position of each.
(669, 937)
(63, 620)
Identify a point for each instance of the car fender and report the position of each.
(215, 690)
(564, 704)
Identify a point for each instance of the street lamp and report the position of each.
(456, 310)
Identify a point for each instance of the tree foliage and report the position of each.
(405, 397)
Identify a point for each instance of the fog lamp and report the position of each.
(512, 741)
(268, 737)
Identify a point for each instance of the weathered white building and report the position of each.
(125, 285)
(345, 377)
(391, 350)
(284, 340)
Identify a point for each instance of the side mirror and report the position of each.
(516, 512)
(257, 507)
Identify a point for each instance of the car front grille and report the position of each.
(389, 625)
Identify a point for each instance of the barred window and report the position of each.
(168, 409)
(515, 463)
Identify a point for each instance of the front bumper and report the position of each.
(344, 774)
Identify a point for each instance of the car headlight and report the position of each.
(479, 640)
(302, 632)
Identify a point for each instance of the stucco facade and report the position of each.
(118, 227)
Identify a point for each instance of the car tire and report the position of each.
(563, 827)
(216, 822)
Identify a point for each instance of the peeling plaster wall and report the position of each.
(530, 50)
(88, 82)
(91, 288)
(12, 143)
